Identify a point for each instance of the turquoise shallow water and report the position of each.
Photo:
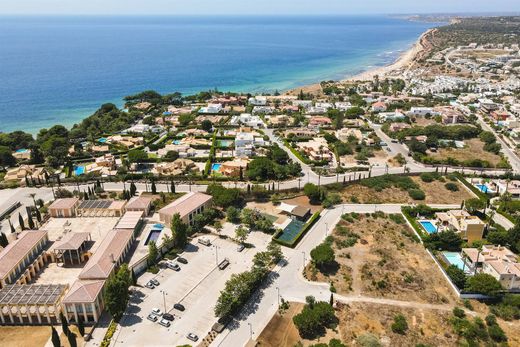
(60, 69)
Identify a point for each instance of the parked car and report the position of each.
(204, 242)
(192, 337)
(223, 264)
(240, 248)
(179, 307)
(173, 266)
(165, 323)
(152, 317)
(156, 311)
(149, 285)
(155, 282)
(182, 260)
(168, 316)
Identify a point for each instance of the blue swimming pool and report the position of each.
(79, 170)
(22, 150)
(454, 258)
(291, 230)
(153, 236)
(215, 167)
(158, 226)
(176, 142)
(225, 143)
(482, 187)
(102, 140)
(428, 226)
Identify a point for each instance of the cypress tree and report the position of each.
(38, 216)
(3, 240)
(72, 339)
(154, 188)
(20, 221)
(64, 324)
(11, 227)
(133, 189)
(172, 188)
(81, 327)
(30, 222)
(241, 174)
(55, 338)
(58, 179)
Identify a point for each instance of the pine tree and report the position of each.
(134, 278)
(172, 188)
(344, 180)
(11, 227)
(55, 338)
(20, 221)
(133, 189)
(331, 299)
(248, 189)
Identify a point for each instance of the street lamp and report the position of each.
(250, 330)
(303, 259)
(326, 229)
(164, 299)
(216, 254)
(278, 289)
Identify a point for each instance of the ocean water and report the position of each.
(58, 70)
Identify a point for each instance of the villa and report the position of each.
(422, 111)
(379, 107)
(211, 109)
(263, 109)
(316, 149)
(22, 154)
(470, 228)
(175, 168)
(232, 168)
(21, 172)
(258, 101)
(248, 120)
(244, 144)
(394, 127)
(391, 116)
(497, 261)
(302, 103)
(300, 132)
(318, 121)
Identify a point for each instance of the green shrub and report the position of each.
(417, 194)
(458, 312)
(451, 186)
(429, 176)
(399, 326)
(496, 333)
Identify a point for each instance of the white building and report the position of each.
(211, 109)
(248, 120)
(303, 103)
(422, 111)
(244, 144)
(258, 101)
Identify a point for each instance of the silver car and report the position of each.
(192, 337)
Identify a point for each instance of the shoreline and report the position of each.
(405, 60)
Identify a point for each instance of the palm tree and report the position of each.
(32, 195)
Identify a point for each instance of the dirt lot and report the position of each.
(21, 336)
(385, 262)
(435, 191)
(474, 149)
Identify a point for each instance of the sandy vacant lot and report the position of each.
(21, 336)
(474, 149)
(436, 193)
(386, 262)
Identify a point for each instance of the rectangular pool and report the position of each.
(428, 226)
(79, 170)
(454, 258)
(153, 236)
(215, 167)
(291, 230)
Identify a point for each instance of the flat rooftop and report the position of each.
(48, 294)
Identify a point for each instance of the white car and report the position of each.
(165, 323)
(173, 265)
(192, 337)
(156, 311)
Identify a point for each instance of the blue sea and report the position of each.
(58, 70)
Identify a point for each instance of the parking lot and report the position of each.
(196, 286)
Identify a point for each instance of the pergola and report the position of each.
(100, 208)
(71, 247)
(28, 300)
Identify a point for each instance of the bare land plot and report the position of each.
(473, 149)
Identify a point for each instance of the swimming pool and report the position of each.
(482, 187)
(158, 226)
(291, 230)
(215, 167)
(225, 143)
(454, 258)
(428, 226)
(22, 150)
(176, 142)
(79, 170)
(153, 236)
(102, 140)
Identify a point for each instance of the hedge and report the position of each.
(482, 196)
(314, 218)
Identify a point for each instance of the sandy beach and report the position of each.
(405, 61)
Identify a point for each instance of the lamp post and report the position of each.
(164, 299)
(216, 254)
(250, 331)
(278, 290)
(326, 229)
(303, 259)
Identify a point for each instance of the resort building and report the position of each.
(64, 208)
(23, 172)
(140, 204)
(187, 206)
(23, 258)
(31, 304)
(470, 228)
(71, 249)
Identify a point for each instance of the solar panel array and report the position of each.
(34, 294)
(95, 204)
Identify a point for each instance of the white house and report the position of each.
(422, 111)
(244, 144)
(248, 120)
(303, 103)
(211, 109)
(258, 101)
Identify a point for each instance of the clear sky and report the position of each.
(183, 7)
